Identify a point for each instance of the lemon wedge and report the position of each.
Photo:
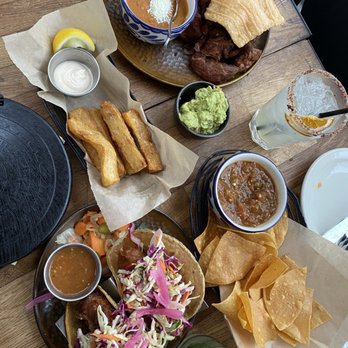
(316, 123)
(72, 37)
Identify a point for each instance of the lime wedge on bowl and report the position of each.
(72, 37)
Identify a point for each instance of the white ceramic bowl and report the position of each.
(278, 181)
(150, 34)
(82, 294)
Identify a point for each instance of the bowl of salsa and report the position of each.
(72, 271)
(248, 192)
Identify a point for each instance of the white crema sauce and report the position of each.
(73, 77)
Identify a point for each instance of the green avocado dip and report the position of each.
(206, 112)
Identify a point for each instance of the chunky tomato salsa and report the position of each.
(247, 193)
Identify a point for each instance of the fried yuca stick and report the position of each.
(94, 121)
(132, 158)
(143, 139)
(105, 150)
(103, 129)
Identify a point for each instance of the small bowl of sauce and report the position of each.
(248, 192)
(72, 272)
(73, 71)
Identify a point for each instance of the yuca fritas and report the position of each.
(116, 143)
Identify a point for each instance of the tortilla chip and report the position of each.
(232, 259)
(286, 298)
(259, 268)
(231, 305)
(286, 338)
(247, 309)
(255, 294)
(271, 274)
(319, 315)
(290, 262)
(279, 230)
(208, 253)
(244, 320)
(300, 329)
(210, 232)
(244, 19)
(263, 328)
(262, 238)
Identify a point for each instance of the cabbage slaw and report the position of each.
(151, 311)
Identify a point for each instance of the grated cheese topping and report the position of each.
(160, 10)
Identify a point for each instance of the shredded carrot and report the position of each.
(80, 228)
(163, 266)
(106, 337)
(185, 297)
(101, 220)
(97, 244)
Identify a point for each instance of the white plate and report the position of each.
(324, 194)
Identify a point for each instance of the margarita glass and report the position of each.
(285, 119)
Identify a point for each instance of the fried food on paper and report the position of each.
(143, 138)
(94, 121)
(132, 158)
(105, 150)
(244, 19)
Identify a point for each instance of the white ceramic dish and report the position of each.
(324, 194)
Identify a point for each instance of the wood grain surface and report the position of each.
(288, 53)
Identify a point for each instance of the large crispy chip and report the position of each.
(263, 328)
(207, 253)
(271, 274)
(319, 315)
(232, 259)
(131, 156)
(106, 152)
(143, 138)
(231, 305)
(286, 298)
(300, 329)
(244, 19)
(209, 233)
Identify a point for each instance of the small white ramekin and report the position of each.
(278, 181)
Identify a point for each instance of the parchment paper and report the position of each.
(327, 274)
(31, 50)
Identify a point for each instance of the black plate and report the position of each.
(48, 312)
(35, 181)
(199, 197)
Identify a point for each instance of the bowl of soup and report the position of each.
(72, 272)
(248, 192)
(148, 20)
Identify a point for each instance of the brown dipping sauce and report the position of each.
(247, 193)
(72, 270)
(140, 9)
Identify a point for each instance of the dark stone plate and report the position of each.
(35, 180)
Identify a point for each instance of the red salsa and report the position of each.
(247, 193)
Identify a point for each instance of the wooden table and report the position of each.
(288, 53)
